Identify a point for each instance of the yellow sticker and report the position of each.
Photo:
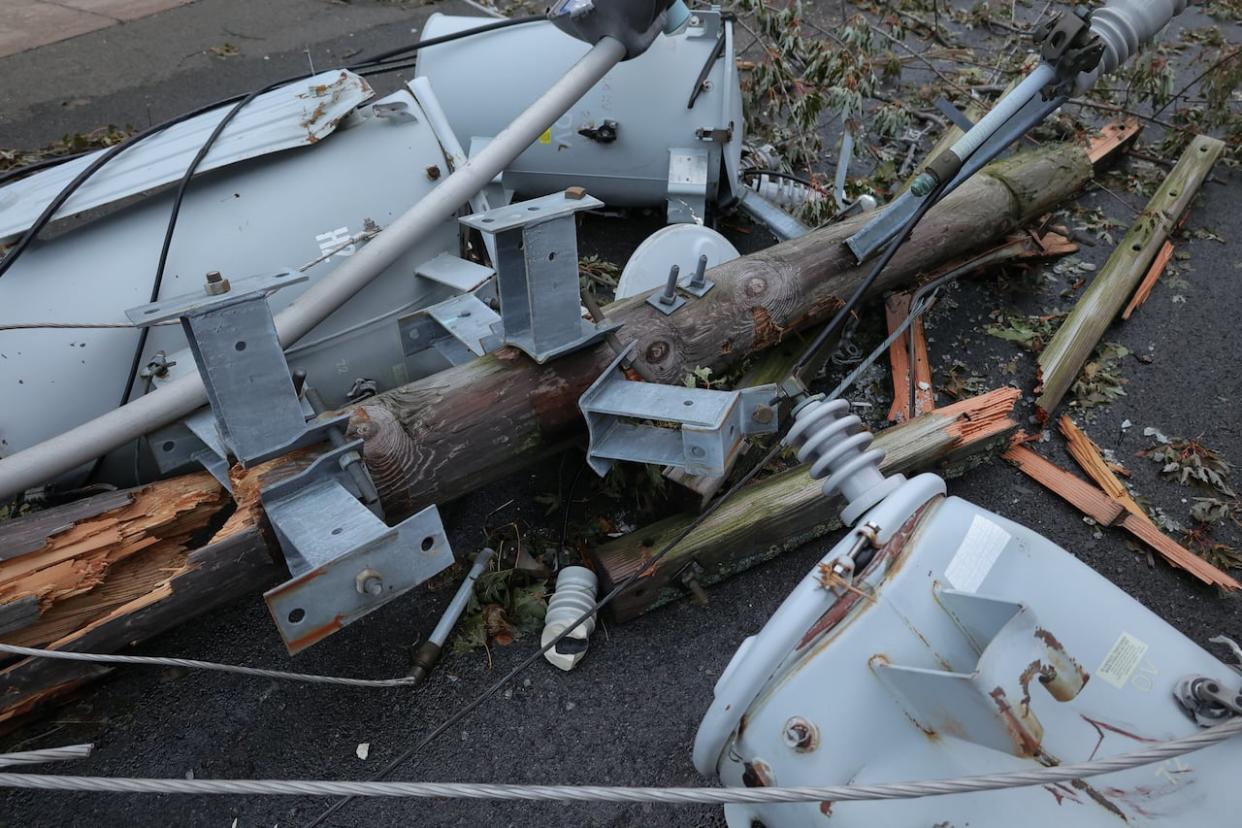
(546, 138)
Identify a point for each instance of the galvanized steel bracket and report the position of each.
(710, 424)
(688, 182)
(344, 560)
(460, 329)
(233, 338)
(537, 274)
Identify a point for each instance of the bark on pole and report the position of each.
(435, 439)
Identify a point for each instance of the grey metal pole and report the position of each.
(182, 396)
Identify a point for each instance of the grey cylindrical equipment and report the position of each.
(616, 140)
(1125, 26)
(182, 396)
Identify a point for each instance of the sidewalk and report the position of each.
(28, 24)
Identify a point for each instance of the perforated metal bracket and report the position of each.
(344, 560)
(233, 338)
(460, 329)
(537, 274)
(711, 424)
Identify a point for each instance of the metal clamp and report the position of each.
(344, 560)
(1068, 43)
(710, 424)
(537, 274)
(688, 184)
(460, 329)
(233, 338)
(1206, 701)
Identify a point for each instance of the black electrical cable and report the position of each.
(373, 65)
(383, 57)
(157, 283)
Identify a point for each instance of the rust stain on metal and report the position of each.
(890, 555)
(757, 774)
(1025, 729)
(825, 808)
(1100, 799)
(1063, 675)
(316, 635)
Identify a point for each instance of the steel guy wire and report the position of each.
(59, 754)
(155, 661)
(668, 796)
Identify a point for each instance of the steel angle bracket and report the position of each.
(344, 560)
(710, 424)
(460, 329)
(537, 274)
(233, 338)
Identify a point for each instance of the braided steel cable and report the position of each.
(59, 754)
(667, 796)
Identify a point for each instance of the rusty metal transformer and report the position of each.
(940, 640)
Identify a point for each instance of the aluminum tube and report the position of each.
(458, 605)
(180, 397)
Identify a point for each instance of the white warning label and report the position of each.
(1122, 660)
(976, 554)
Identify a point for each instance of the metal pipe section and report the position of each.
(180, 397)
(781, 224)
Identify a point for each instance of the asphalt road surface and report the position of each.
(628, 714)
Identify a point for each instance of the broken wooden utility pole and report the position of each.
(788, 509)
(437, 438)
(1107, 510)
(1071, 346)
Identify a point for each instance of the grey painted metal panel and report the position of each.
(297, 115)
(266, 214)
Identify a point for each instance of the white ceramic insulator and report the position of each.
(574, 596)
(787, 194)
(1124, 26)
(835, 443)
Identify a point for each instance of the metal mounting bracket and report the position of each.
(711, 424)
(460, 329)
(687, 185)
(344, 560)
(233, 338)
(537, 274)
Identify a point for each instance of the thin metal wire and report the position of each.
(59, 754)
(668, 796)
(156, 661)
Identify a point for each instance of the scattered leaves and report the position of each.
(1189, 461)
(1100, 381)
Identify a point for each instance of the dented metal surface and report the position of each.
(295, 115)
(955, 652)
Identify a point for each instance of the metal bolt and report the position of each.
(762, 414)
(700, 272)
(670, 288)
(801, 735)
(433, 172)
(216, 284)
(370, 583)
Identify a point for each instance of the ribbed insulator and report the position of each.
(1125, 25)
(785, 193)
(574, 596)
(836, 444)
